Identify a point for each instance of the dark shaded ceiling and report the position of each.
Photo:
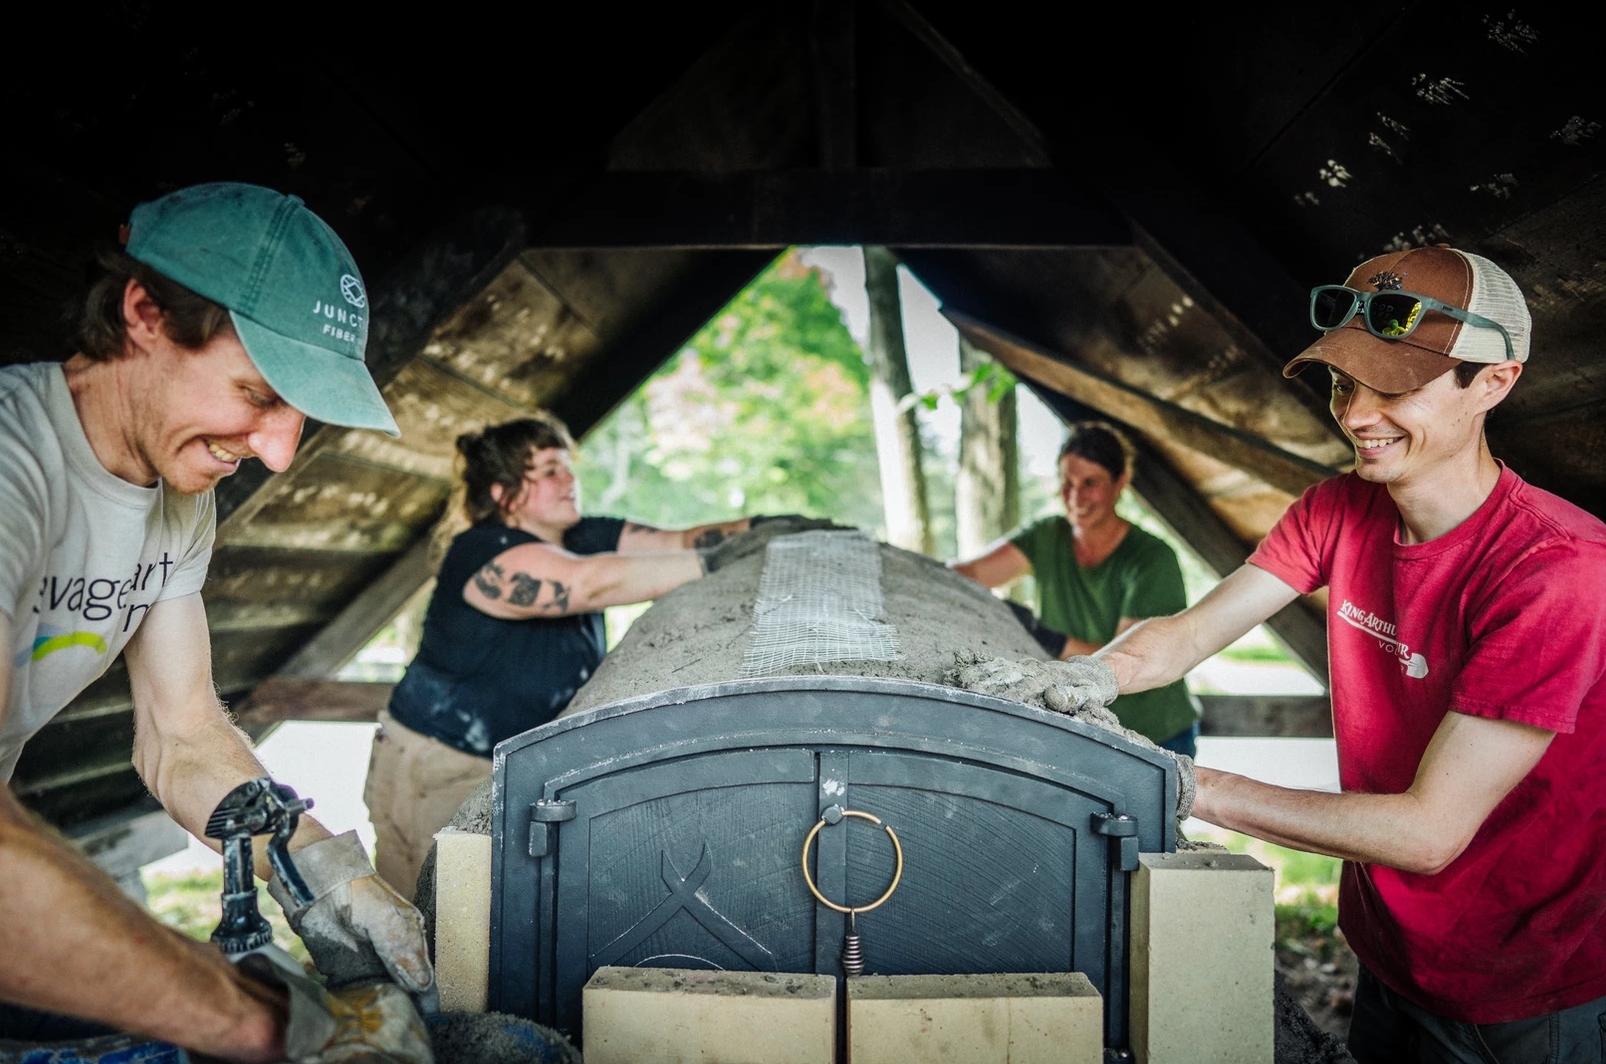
(1126, 207)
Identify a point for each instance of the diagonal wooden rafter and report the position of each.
(1147, 413)
(1203, 249)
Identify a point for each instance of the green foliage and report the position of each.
(191, 905)
(1295, 868)
(765, 410)
(1262, 652)
(1309, 928)
(995, 377)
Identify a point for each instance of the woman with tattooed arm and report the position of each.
(513, 629)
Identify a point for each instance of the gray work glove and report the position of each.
(1079, 683)
(370, 1023)
(796, 522)
(357, 928)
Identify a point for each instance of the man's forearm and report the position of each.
(74, 944)
(1161, 650)
(1153, 653)
(190, 773)
(1387, 829)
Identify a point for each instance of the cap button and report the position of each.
(297, 200)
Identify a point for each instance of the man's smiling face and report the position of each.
(194, 415)
(1401, 438)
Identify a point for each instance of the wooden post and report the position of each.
(903, 481)
(987, 492)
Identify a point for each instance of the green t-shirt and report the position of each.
(1140, 579)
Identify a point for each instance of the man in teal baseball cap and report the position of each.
(291, 288)
(229, 316)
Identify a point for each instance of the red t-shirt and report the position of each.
(1502, 617)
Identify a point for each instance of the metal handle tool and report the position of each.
(256, 807)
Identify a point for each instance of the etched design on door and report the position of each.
(684, 894)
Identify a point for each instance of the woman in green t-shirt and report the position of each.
(1098, 575)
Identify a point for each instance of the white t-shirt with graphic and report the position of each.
(83, 554)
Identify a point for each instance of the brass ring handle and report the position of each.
(896, 875)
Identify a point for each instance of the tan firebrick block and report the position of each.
(932, 1019)
(462, 919)
(1201, 956)
(693, 1016)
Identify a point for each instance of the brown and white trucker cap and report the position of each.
(1458, 278)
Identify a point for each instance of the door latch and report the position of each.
(1122, 831)
(545, 816)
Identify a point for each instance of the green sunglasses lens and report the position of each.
(1331, 307)
(1393, 314)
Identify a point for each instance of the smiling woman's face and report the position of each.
(1088, 492)
(550, 495)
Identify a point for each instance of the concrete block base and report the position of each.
(1022, 1019)
(462, 919)
(1201, 956)
(692, 1016)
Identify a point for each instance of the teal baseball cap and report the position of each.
(290, 286)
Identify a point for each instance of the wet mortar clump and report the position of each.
(495, 1038)
(1298, 1039)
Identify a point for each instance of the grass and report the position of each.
(1259, 653)
(190, 903)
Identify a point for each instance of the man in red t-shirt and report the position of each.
(1467, 641)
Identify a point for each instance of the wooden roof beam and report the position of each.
(1000, 208)
(1204, 250)
(833, 49)
(1147, 413)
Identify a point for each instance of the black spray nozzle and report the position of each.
(256, 807)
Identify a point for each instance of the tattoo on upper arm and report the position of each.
(525, 589)
(709, 537)
(489, 580)
(560, 597)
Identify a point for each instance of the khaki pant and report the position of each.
(415, 785)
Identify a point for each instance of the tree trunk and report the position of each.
(897, 435)
(987, 492)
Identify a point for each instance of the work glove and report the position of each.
(798, 521)
(357, 928)
(368, 1023)
(1050, 640)
(1078, 684)
(1083, 686)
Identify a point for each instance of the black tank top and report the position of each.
(479, 679)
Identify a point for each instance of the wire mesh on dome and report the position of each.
(818, 600)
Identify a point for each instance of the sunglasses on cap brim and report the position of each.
(1387, 315)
